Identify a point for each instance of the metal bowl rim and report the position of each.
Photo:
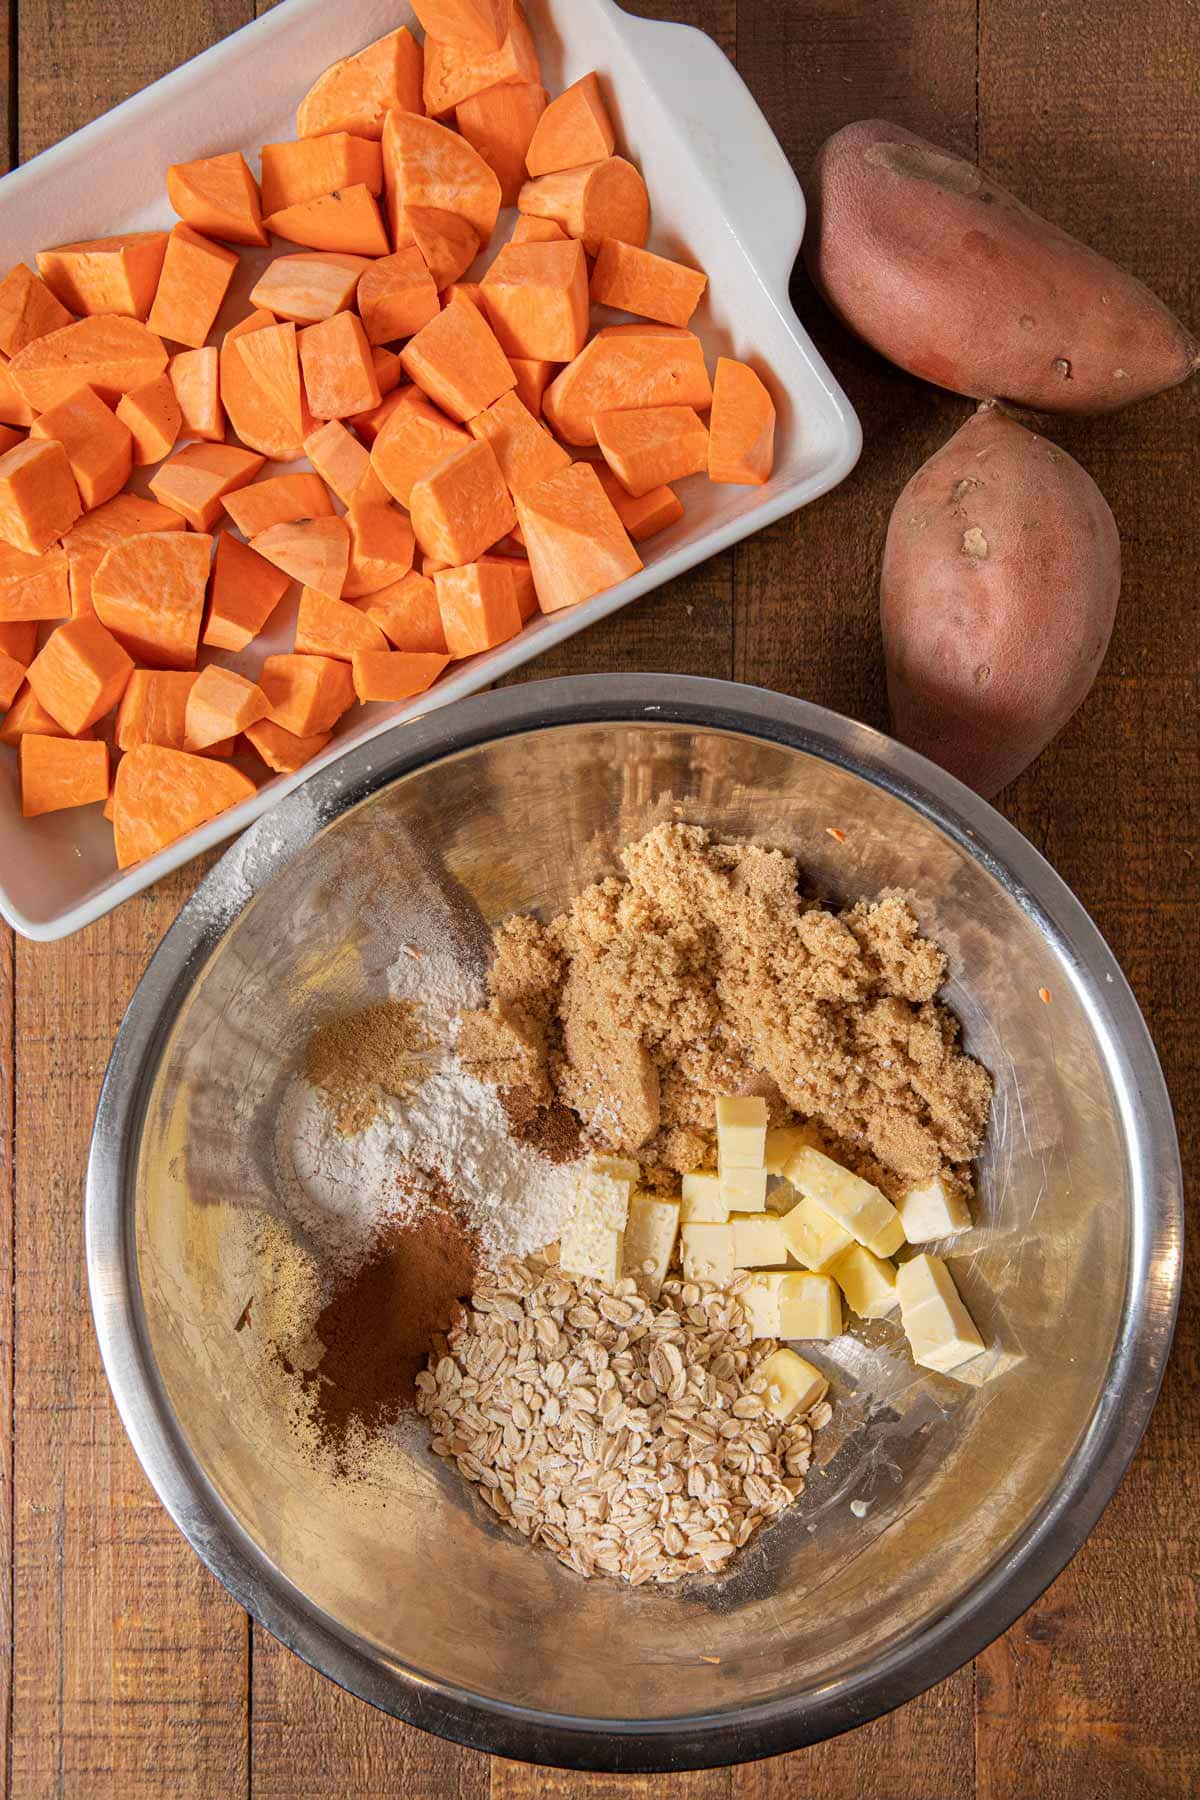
(929, 1653)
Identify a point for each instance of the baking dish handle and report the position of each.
(756, 187)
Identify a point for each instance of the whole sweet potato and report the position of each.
(951, 277)
(1000, 582)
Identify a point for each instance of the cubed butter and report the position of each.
(782, 1144)
(741, 1132)
(810, 1306)
(650, 1240)
(758, 1241)
(591, 1250)
(707, 1253)
(743, 1190)
(938, 1326)
(868, 1216)
(603, 1196)
(868, 1282)
(936, 1209)
(702, 1203)
(813, 1238)
(759, 1300)
(793, 1385)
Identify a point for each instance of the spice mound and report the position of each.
(362, 1060)
(634, 1438)
(706, 972)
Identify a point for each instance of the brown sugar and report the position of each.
(705, 971)
(362, 1059)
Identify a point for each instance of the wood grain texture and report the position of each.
(128, 1671)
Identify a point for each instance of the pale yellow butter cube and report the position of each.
(782, 1144)
(743, 1190)
(702, 1203)
(936, 1209)
(741, 1132)
(814, 1238)
(591, 1250)
(938, 1326)
(793, 1385)
(650, 1240)
(602, 1197)
(707, 1253)
(866, 1214)
(810, 1306)
(759, 1300)
(868, 1282)
(758, 1241)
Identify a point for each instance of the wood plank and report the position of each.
(1094, 124)
(525, 1781)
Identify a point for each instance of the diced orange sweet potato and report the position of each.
(15, 410)
(28, 714)
(453, 72)
(644, 517)
(461, 506)
(308, 694)
(302, 170)
(195, 481)
(195, 278)
(153, 708)
(523, 448)
(149, 592)
(577, 545)
(448, 243)
(221, 704)
(106, 275)
(309, 286)
(533, 378)
(18, 639)
(425, 164)
(218, 196)
(85, 545)
(653, 287)
(467, 24)
(471, 291)
(152, 417)
(575, 129)
(33, 587)
(58, 772)
(537, 300)
(407, 614)
(394, 674)
(160, 795)
(529, 230)
(261, 370)
(415, 437)
(457, 362)
(79, 674)
(339, 375)
(12, 677)
(368, 425)
(111, 355)
(39, 500)
(432, 565)
(338, 458)
(500, 123)
(357, 93)
(522, 574)
(195, 377)
(282, 750)
(245, 591)
(99, 446)
(314, 552)
(349, 220)
(389, 372)
(647, 447)
(326, 627)
(28, 310)
(10, 437)
(396, 296)
(742, 428)
(381, 541)
(602, 200)
(280, 501)
(478, 604)
(625, 366)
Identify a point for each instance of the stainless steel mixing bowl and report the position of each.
(975, 1493)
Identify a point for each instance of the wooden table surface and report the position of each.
(125, 1669)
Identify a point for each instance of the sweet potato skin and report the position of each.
(954, 279)
(1001, 575)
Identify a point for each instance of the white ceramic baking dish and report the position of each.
(723, 195)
